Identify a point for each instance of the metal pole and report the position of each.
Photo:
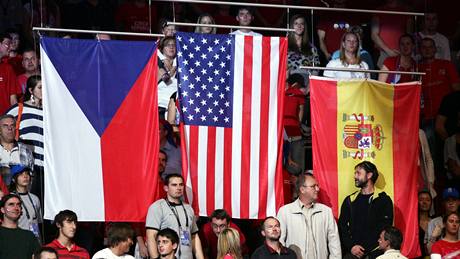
(229, 26)
(293, 7)
(98, 32)
(363, 70)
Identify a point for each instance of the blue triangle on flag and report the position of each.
(98, 74)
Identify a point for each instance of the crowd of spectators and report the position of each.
(330, 39)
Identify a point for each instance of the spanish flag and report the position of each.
(357, 120)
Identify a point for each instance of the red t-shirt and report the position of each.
(75, 252)
(294, 98)
(443, 248)
(335, 24)
(437, 83)
(8, 86)
(392, 26)
(136, 19)
(393, 63)
(209, 239)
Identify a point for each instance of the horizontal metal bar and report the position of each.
(294, 7)
(229, 26)
(363, 70)
(97, 32)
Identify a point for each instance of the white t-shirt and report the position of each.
(106, 253)
(337, 63)
(250, 33)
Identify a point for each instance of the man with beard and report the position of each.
(364, 214)
(272, 248)
(66, 222)
(308, 227)
(15, 242)
(173, 213)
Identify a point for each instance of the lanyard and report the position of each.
(25, 207)
(176, 214)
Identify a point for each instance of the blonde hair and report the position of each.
(200, 18)
(229, 243)
(342, 49)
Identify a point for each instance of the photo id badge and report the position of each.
(34, 228)
(184, 237)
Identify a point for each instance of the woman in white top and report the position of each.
(349, 58)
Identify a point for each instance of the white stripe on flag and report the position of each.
(188, 184)
(202, 168)
(273, 125)
(72, 150)
(237, 127)
(219, 169)
(255, 127)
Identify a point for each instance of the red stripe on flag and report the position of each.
(210, 170)
(281, 82)
(193, 153)
(264, 119)
(405, 157)
(228, 170)
(324, 139)
(246, 127)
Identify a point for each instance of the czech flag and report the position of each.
(100, 128)
(357, 120)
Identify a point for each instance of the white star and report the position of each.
(227, 73)
(203, 86)
(229, 42)
(185, 78)
(216, 88)
(191, 70)
(210, 79)
(216, 72)
(222, 80)
(226, 119)
(185, 62)
(190, 55)
(197, 48)
(228, 57)
(197, 110)
(204, 41)
(197, 94)
(185, 47)
(209, 95)
(180, 70)
(210, 64)
(190, 117)
(203, 102)
(221, 95)
(216, 103)
(190, 102)
(215, 118)
(227, 88)
(222, 49)
(203, 118)
(227, 104)
(216, 41)
(209, 49)
(197, 78)
(216, 56)
(191, 86)
(221, 111)
(179, 38)
(179, 54)
(184, 109)
(209, 110)
(222, 64)
(203, 71)
(203, 56)
(197, 63)
(192, 40)
(184, 93)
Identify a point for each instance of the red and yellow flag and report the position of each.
(357, 120)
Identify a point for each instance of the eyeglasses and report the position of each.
(311, 186)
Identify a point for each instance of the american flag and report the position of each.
(231, 90)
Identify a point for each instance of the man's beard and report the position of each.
(360, 184)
